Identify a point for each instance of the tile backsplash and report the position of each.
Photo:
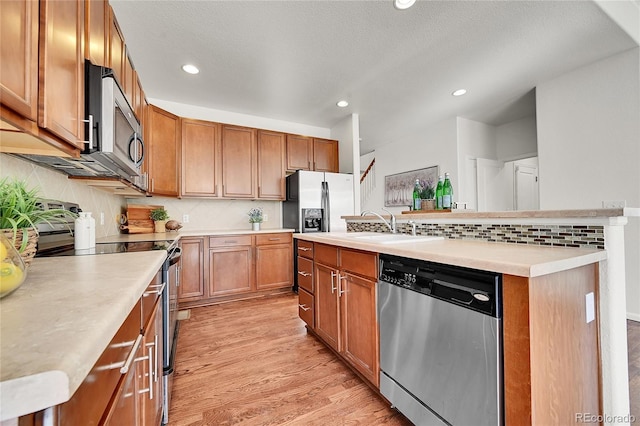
(56, 186)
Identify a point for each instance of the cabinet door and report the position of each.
(200, 157)
(326, 309)
(229, 271)
(191, 271)
(116, 48)
(163, 144)
(239, 162)
(274, 266)
(19, 57)
(325, 156)
(149, 371)
(359, 330)
(61, 90)
(96, 25)
(128, 80)
(138, 97)
(123, 408)
(299, 152)
(271, 167)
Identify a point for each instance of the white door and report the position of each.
(493, 186)
(526, 188)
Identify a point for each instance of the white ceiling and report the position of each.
(293, 60)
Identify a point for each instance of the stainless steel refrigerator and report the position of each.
(331, 192)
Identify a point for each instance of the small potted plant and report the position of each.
(159, 217)
(20, 212)
(427, 195)
(255, 218)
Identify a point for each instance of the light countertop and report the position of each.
(172, 235)
(514, 259)
(54, 328)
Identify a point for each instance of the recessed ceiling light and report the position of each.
(342, 104)
(403, 4)
(459, 92)
(191, 69)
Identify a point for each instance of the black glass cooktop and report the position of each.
(107, 248)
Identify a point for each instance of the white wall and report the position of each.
(589, 146)
(432, 146)
(517, 139)
(219, 116)
(475, 140)
(347, 132)
(56, 186)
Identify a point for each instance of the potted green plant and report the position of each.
(20, 212)
(159, 217)
(427, 195)
(255, 218)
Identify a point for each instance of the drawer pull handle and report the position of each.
(230, 241)
(159, 291)
(304, 307)
(132, 355)
(304, 274)
(274, 239)
(304, 248)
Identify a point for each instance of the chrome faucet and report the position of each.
(391, 224)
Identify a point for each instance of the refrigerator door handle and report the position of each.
(324, 203)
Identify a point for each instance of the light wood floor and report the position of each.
(253, 363)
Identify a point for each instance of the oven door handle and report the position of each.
(175, 255)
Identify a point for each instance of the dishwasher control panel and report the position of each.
(471, 288)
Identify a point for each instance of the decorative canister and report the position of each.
(428, 204)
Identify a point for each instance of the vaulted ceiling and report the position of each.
(293, 60)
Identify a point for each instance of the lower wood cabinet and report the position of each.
(344, 294)
(228, 267)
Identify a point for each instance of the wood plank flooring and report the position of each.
(253, 363)
(633, 339)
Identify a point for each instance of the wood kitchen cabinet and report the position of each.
(163, 151)
(239, 162)
(345, 306)
(307, 153)
(273, 260)
(192, 270)
(200, 158)
(230, 265)
(96, 31)
(271, 165)
(61, 89)
(117, 48)
(149, 383)
(128, 82)
(306, 287)
(19, 57)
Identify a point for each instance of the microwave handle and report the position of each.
(90, 141)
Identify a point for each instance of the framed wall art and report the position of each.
(398, 188)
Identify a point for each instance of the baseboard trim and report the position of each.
(633, 317)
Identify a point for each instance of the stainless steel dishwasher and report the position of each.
(441, 342)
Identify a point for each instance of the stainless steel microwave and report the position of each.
(114, 136)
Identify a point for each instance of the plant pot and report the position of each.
(158, 225)
(428, 204)
(30, 245)
(255, 226)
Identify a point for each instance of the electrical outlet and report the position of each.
(185, 218)
(616, 204)
(101, 218)
(265, 217)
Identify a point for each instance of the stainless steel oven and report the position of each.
(171, 273)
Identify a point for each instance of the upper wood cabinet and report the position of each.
(61, 90)
(163, 151)
(128, 82)
(325, 155)
(200, 158)
(239, 162)
(96, 31)
(19, 57)
(299, 152)
(306, 153)
(271, 165)
(117, 49)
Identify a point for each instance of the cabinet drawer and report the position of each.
(305, 249)
(230, 240)
(305, 307)
(359, 262)
(305, 274)
(325, 254)
(280, 238)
